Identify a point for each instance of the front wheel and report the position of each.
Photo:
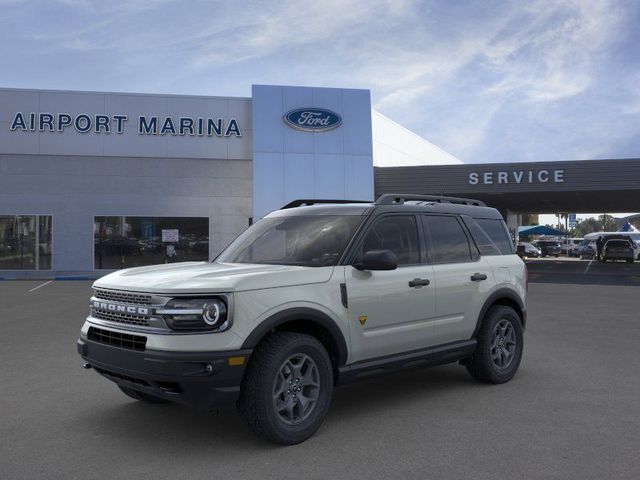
(287, 388)
(500, 344)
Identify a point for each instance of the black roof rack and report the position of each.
(400, 199)
(299, 203)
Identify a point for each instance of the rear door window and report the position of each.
(447, 240)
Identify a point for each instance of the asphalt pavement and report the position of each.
(572, 411)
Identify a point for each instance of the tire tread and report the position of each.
(252, 404)
(480, 367)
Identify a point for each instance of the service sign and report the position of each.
(312, 119)
(516, 177)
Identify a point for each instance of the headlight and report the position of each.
(196, 314)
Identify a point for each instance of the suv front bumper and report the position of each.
(202, 380)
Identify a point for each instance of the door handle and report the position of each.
(478, 277)
(418, 282)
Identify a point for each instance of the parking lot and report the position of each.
(573, 410)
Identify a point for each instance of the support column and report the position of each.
(514, 220)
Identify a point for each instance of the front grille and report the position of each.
(127, 318)
(117, 339)
(123, 297)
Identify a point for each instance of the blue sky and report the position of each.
(484, 80)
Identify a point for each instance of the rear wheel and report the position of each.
(141, 396)
(500, 343)
(287, 388)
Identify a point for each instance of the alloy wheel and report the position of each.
(296, 389)
(503, 344)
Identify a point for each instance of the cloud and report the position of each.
(552, 56)
(288, 25)
(483, 80)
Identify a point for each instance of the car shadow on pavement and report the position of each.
(182, 429)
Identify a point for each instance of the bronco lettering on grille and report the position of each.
(112, 307)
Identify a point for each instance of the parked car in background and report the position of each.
(548, 248)
(570, 246)
(619, 249)
(592, 239)
(530, 250)
(587, 249)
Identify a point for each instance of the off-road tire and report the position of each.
(482, 366)
(141, 396)
(256, 403)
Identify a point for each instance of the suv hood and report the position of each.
(204, 277)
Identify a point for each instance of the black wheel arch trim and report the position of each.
(495, 297)
(305, 314)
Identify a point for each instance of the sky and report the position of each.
(487, 81)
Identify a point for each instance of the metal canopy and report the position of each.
(539, 230)
(534, 187)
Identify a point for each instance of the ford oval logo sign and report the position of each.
(312, 119)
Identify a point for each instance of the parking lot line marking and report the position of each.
(588, 266)
(40, 286)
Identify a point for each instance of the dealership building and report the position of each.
(91, 182)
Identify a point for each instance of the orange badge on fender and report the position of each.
(362, 319)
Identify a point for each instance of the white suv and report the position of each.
(315, 294)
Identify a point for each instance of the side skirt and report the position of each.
(426, 357)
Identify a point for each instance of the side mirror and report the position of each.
(377, 260)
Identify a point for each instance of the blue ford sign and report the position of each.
(312, 119)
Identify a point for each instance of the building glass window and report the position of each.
(44, 242)
(25, 242)
(123, 242)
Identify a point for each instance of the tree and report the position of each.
(588, 225)
(609, 223)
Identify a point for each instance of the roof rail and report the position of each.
(300, 203)
(400, 199)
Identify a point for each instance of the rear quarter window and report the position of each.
(491, 236)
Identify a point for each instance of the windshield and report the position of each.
(311, 241)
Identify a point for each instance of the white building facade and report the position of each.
(91, 182)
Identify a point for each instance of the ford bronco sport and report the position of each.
(313, 295)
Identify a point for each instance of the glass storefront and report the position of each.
(122, 242)
(25, 242)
